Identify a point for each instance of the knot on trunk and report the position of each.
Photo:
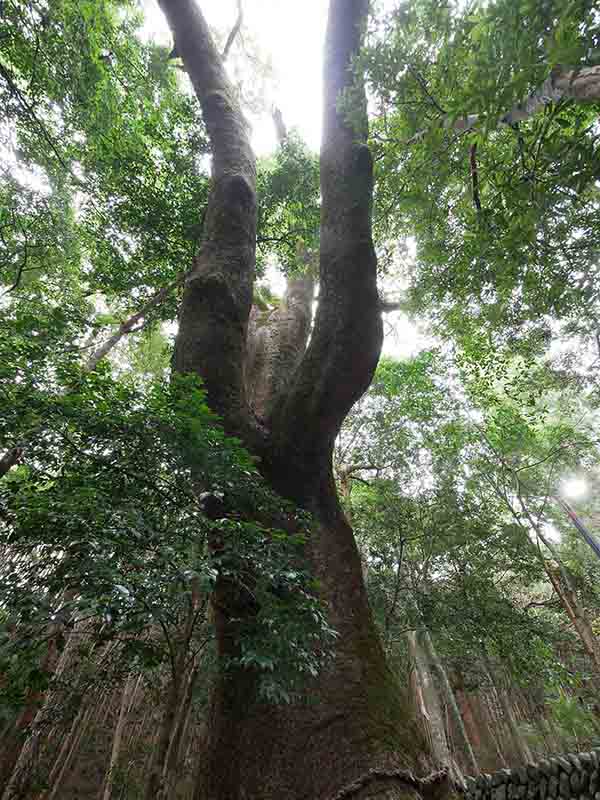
(214, 291)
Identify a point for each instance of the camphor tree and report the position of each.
(353, 718)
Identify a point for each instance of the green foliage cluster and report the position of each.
(98, 120)
(450, 464)
(103, 527)
(505, 217)
(289, 213)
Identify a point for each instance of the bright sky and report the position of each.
(574, 488)
(290, 36)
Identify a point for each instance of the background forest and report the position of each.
(469, 470)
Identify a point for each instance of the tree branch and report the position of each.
(351, 469)
(346, 341)
(20, 270)
(475, 177)
(280, 126)
(217, 295)
(9, 459)
(28, 108)
(130, 323)
(387, 306)
(582, 85)
(234, 31)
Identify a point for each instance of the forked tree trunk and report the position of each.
(353, 718)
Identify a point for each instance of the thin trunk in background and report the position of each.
(431, 708)
(115, 752)
(521, 748)
(429, 647)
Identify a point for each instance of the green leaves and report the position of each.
(504, 217)
(106, 185)
(289, 213)
(444, 512)
(104, 527)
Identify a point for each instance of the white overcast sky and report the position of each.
(291, 36)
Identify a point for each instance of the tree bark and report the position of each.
(581, 85)
(562, 584)
(576, 614)
(71, 746)
(280, 345)
(118, 737)
(480, 724)
(175, 745)
(355, 718)
(559, 578)
(26, 764)
(52, 660)
(346, 341)
(155, 785)
(521, 748)
(217, 296)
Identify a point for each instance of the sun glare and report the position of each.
(574, 488)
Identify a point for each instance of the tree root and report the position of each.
(435, 786)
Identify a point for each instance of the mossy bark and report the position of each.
(352, 718)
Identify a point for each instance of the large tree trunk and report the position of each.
(353, 718)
